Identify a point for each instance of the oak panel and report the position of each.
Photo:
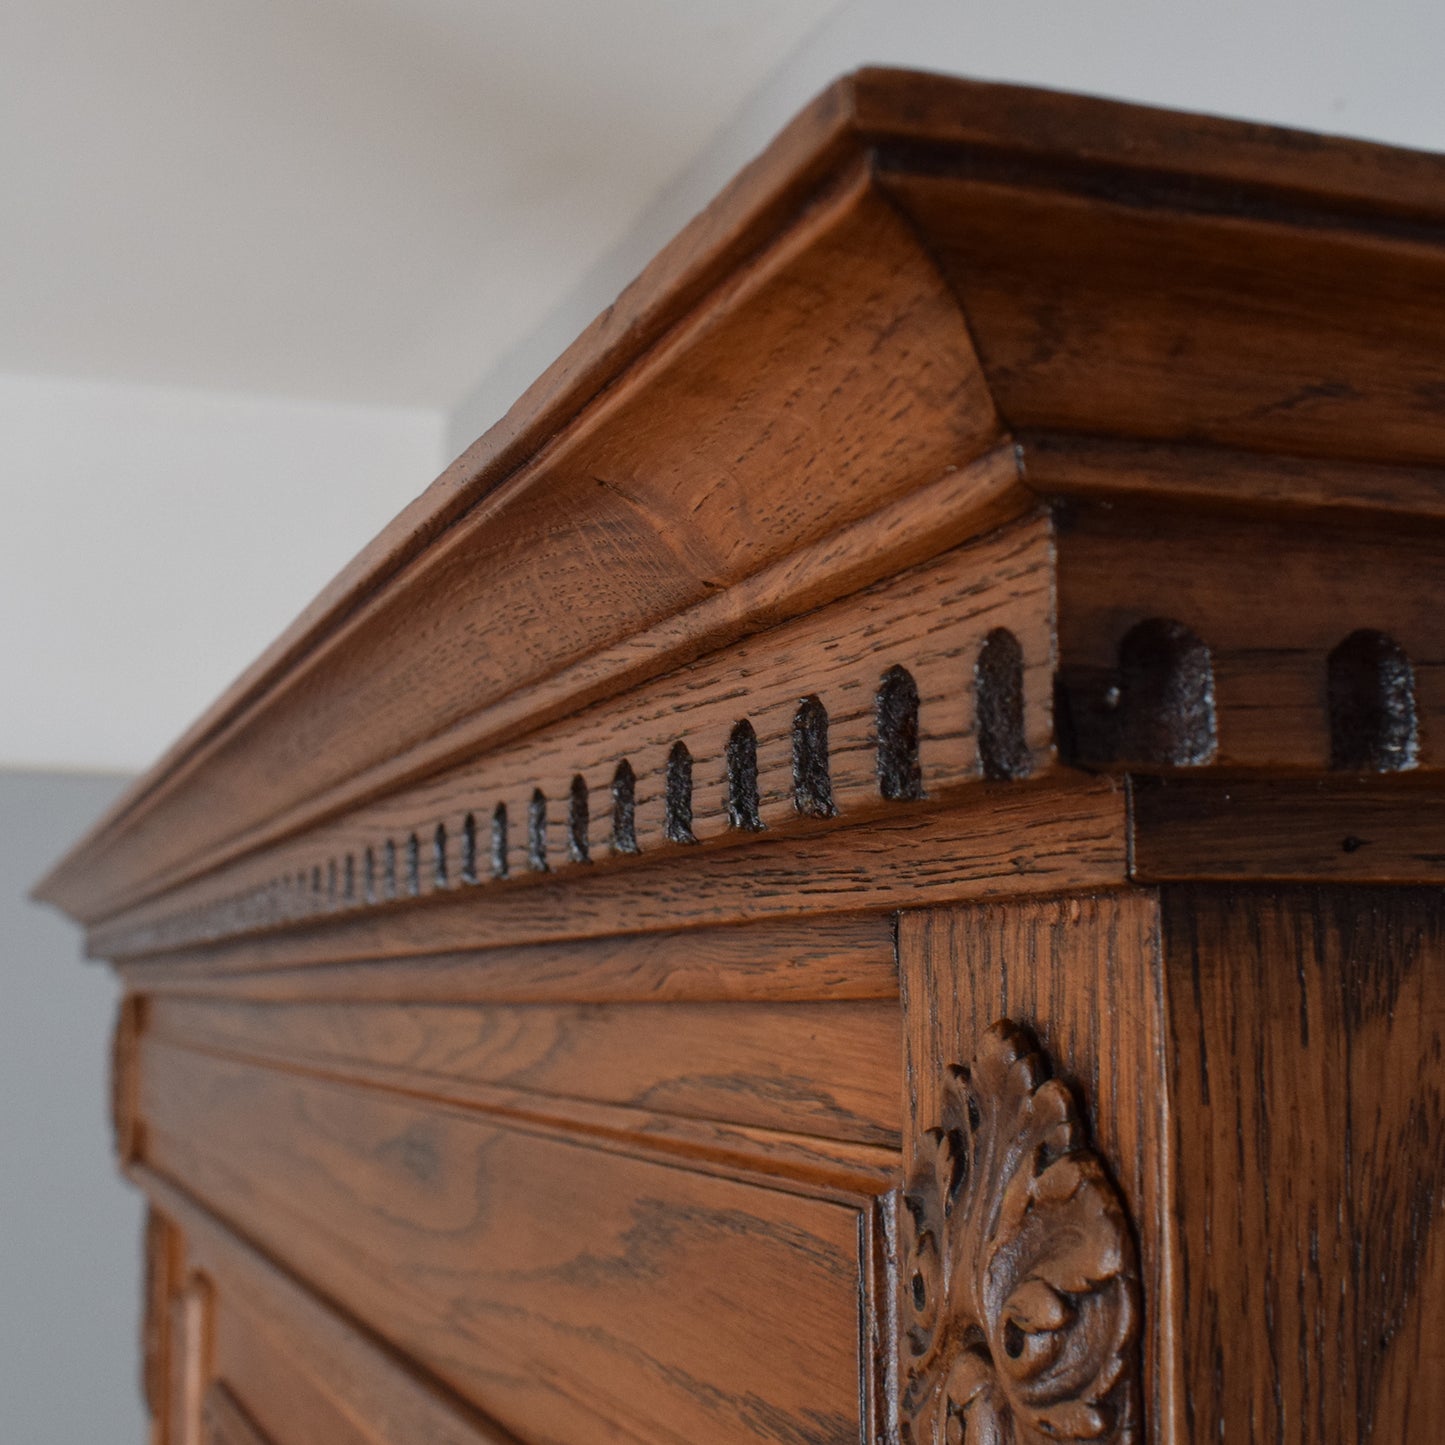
(302, 1369)
(828, 1070)
(1307, 1083)
(268, 1373)
(844, 956)
(567, 1292)
(1343, 829)
(1130, 306)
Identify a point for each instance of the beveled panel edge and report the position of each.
(814, 1165)
(325, 1332)
(225, 1421)
(816, 958)
(232, 1137)
(735, 1064)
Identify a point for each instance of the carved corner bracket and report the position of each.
(1019, 1318)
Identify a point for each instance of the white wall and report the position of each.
(1345, 66)
(155, 541)
(350, 200)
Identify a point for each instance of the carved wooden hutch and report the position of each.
(865, 866)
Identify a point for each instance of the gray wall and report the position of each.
(69, 1229)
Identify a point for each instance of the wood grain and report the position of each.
(344, 1382)
(282, 1401)
(1308, 1101)
(963, 503)
(1192, 474)
(562, 1306)
(1360, 830)
(825, 1070)
(620, 522)
(835, 957)
(1082, 974)
(815, 1166)
(1084, 242)
(192, 1340)
(1019, 513)
(1270, 600)
(1229, 162)
(162, 1257)
(1005, 838)
(1159, 313)
(1193, 155)
(933, 621)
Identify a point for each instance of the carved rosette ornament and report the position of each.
(1020, 1318)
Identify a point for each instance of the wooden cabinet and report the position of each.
(864, 867)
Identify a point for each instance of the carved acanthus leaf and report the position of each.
(1019, 1317)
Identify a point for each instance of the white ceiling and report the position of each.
(351, 200)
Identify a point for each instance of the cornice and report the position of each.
(927, 297)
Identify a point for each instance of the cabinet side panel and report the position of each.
(1307, 1081)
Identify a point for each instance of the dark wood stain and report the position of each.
(440, 874)
(1373, 724)
(1155, 706)
(998, 684)
(469, 849)
(742, 778)
(1312, 1201)
(579, 847)
(812, 784)
(677, 825)
(501, 861)
(537, 832)
(413, 866)
(624, 809)
(900, 771)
